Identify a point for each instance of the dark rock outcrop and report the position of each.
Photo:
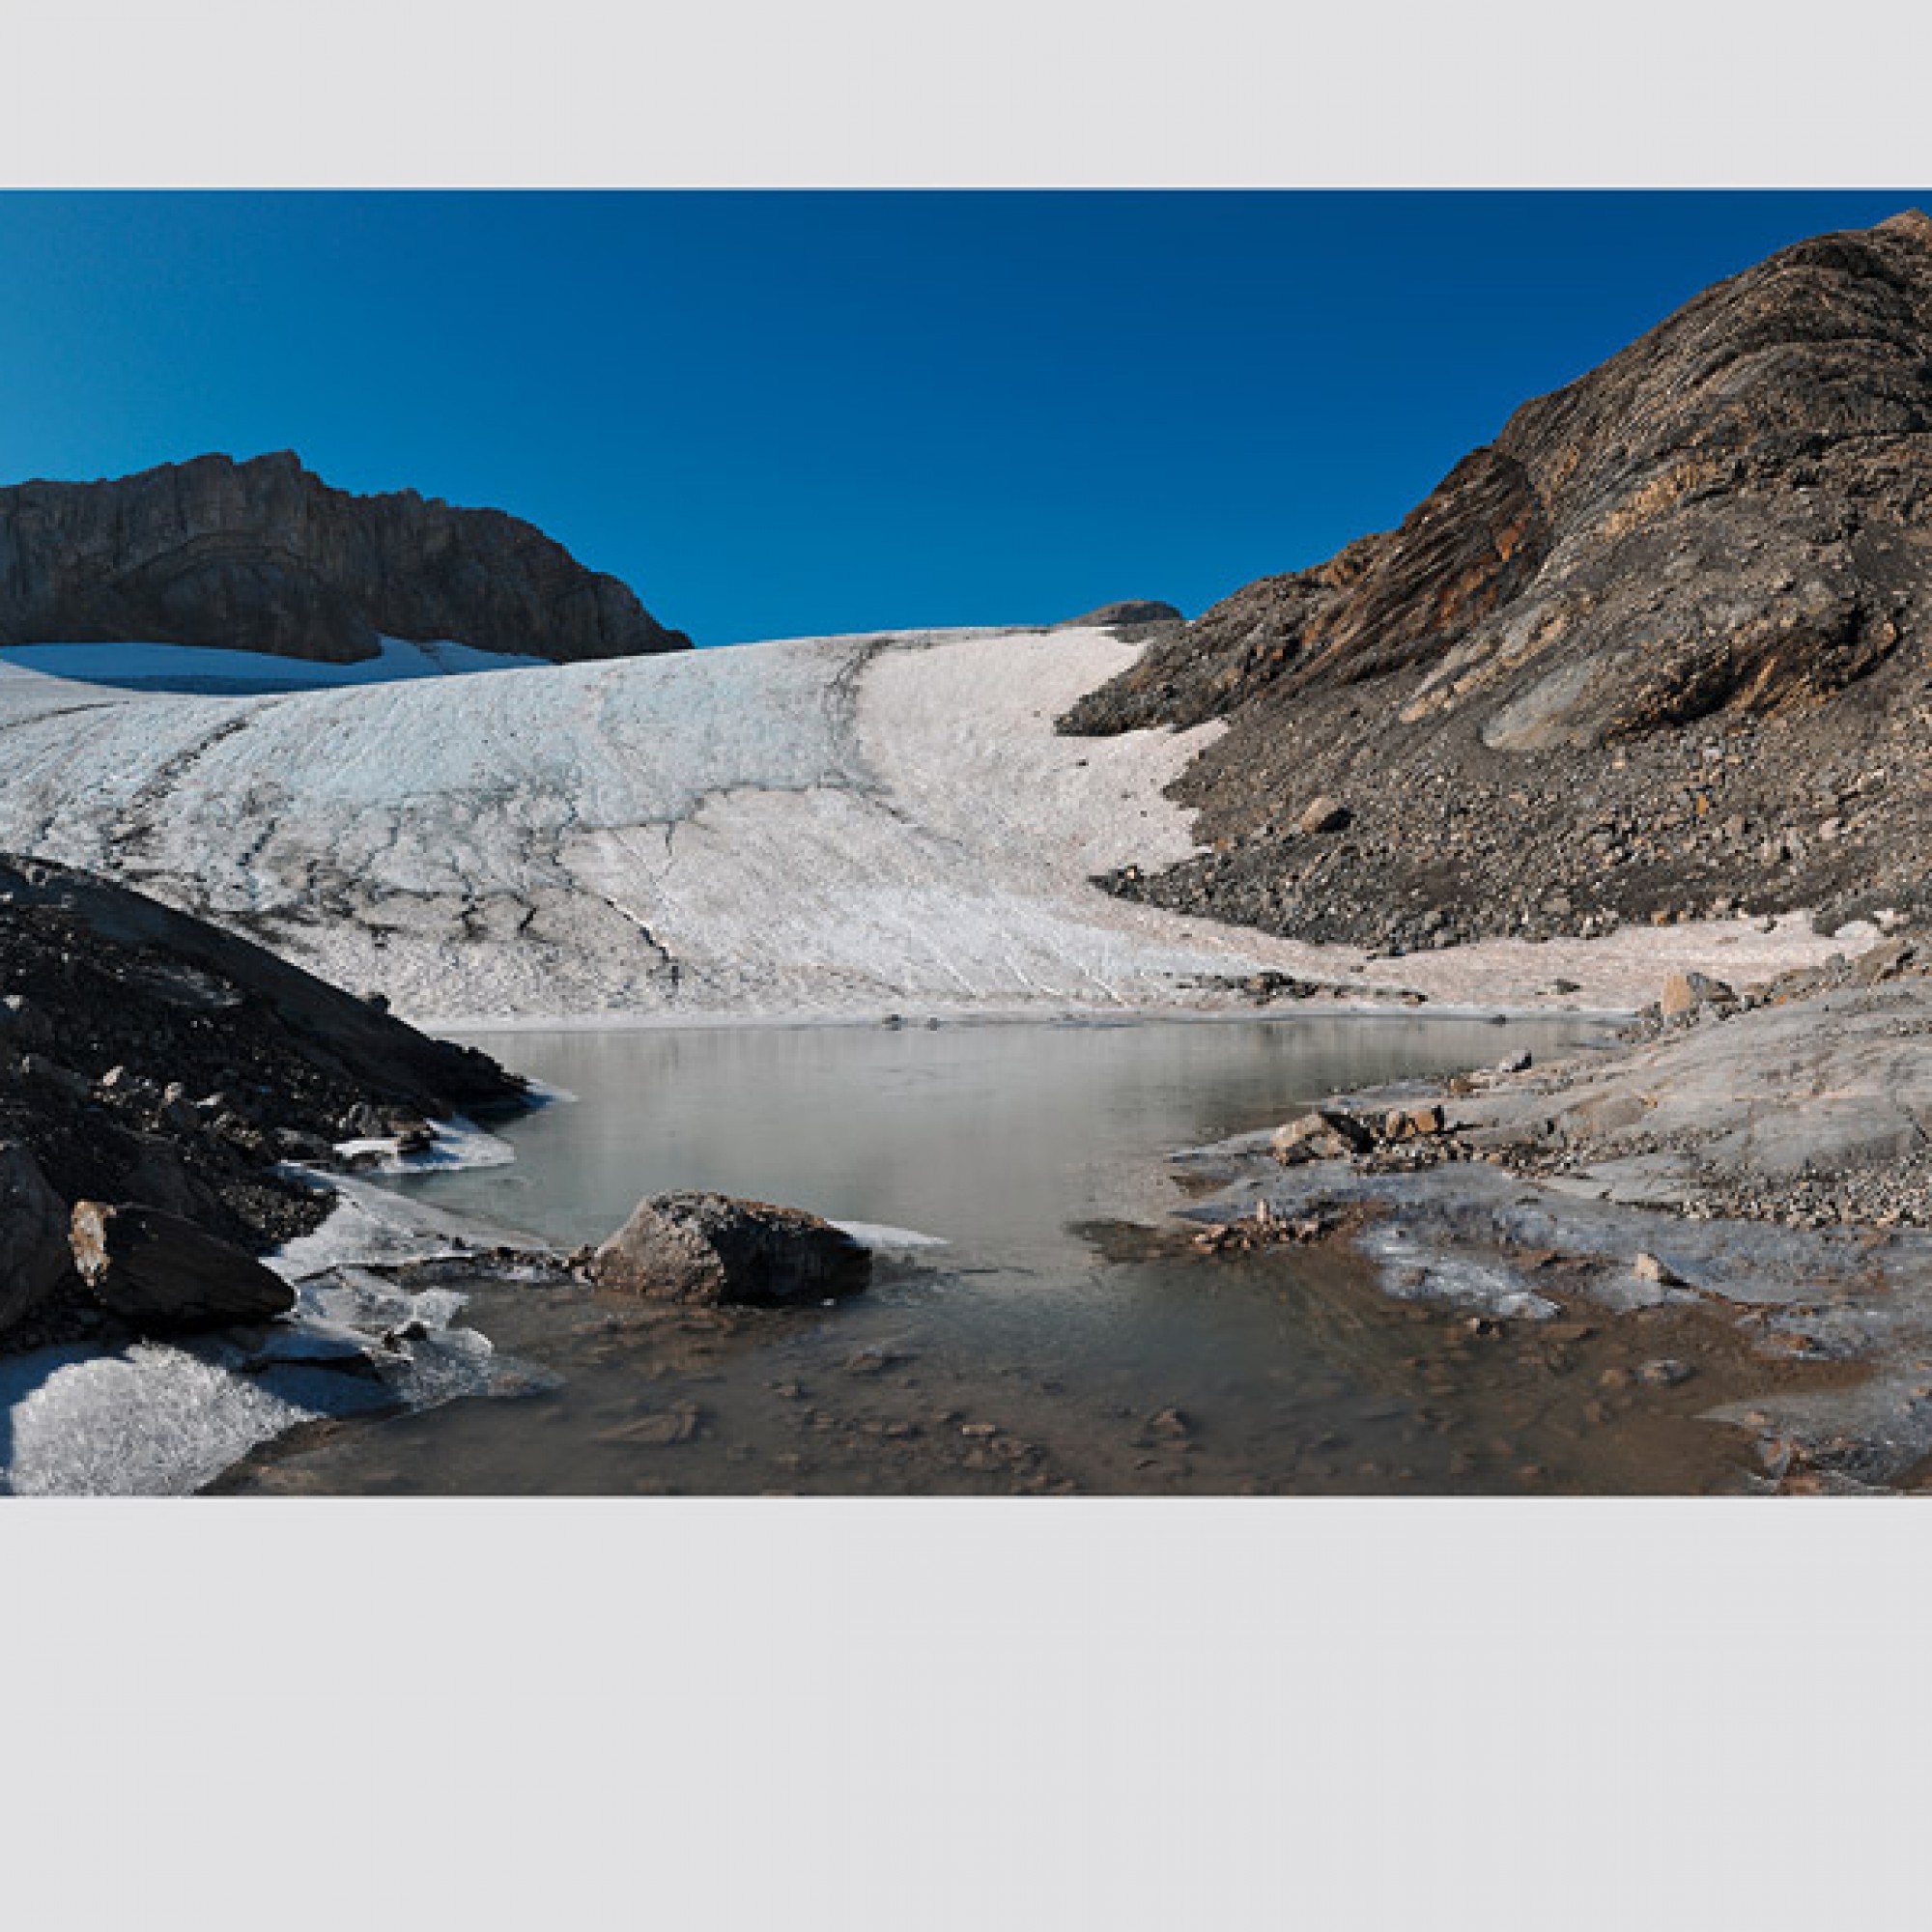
(1131, 614)
(710, 1247)
(1664, 646)
(148, 1059)
(162, 1274)
(263, 556)
(34, 1256)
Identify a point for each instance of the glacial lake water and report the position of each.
(1064, 1338)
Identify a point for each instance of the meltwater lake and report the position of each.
(1064, 1338)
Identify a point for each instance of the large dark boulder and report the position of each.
(263, 556)
(712, 1247)
(162, 1274)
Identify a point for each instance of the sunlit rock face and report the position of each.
(263, 556)
(1645, 651)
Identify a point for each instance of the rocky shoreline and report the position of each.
(1759, 1153)
(156, 1063)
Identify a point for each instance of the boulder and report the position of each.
(1325, 1134)
(715, 1248)
(161, 1273)
(34, 1254)
(1887, 960)
(1323, 814)
(1686, 992)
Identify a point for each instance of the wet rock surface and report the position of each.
(1806, 1100)
(263, 556)
(147, 1059)
(1663, 651)
(1761, 1156)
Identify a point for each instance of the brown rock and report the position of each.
(1665, 1373)
(162, 1273)
(1884, 961)
(656, 1428)
(1325, 1134)
(1324, 814)
(714, 1248)
(1684, 992)
(1607, 1114)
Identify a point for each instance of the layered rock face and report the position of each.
(263, 556)
(1661, 647)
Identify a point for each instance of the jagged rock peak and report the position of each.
(1914, 222)
(263, 556)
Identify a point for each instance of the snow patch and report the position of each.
(192, 667)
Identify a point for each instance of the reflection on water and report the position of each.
(1045, 1347)
(995, 1137)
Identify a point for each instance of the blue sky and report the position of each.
(790, 413)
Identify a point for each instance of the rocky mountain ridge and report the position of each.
(1664, 648)
(263, 556)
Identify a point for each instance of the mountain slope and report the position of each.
(1663, 646)
(264, 556)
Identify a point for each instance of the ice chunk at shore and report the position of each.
(155, 1419)
(373, 1228)
(1414, 1272)
(459, 1143)
(872, 1234)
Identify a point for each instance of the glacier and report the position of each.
(810, 827)
(815, 827)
